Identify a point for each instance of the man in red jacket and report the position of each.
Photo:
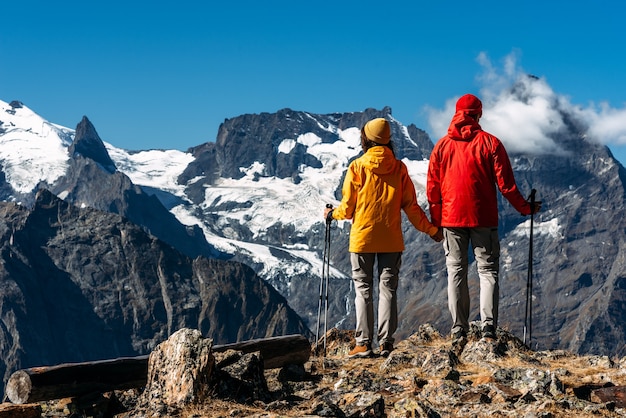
(465, 167)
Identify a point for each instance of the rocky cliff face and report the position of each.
(247, 139)
(578, 260)
(81, 285)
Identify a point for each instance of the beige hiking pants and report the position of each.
(388, 265)
(486, 247)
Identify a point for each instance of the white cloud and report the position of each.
(524, 125)
(606, 124)
(525, 113)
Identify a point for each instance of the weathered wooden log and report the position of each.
(276, 351)
(75, 379)
(43, 383)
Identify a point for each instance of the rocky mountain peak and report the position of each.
(16, 104)
(88, 144)
(247, 139)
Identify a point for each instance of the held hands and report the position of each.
(438, 236)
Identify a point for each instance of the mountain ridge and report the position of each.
(79, 284)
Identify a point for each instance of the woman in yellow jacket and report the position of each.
(376, 188)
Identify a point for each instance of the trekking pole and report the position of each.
(327, 275)
(324, 284)
(528, 317)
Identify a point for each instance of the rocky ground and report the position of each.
(425, 376)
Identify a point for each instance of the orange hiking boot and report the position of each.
(360, 351)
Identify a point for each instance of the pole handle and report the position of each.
(329, 218)
(532, 200)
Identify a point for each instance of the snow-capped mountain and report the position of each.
(257, 194)
(33, 149)
(80, 284)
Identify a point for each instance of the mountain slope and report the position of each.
(81, 285)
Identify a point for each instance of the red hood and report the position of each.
(463, 127)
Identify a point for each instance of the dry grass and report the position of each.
(220, 408)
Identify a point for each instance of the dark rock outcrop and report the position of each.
(88, 144)
(81, 285)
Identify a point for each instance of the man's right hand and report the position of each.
(438, 236)
(535, 207)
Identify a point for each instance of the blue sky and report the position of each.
(165, 74)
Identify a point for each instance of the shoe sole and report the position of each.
(367, 353)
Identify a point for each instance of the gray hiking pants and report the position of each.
(363, 276)
(486, 247)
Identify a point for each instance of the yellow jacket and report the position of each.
(376, 187)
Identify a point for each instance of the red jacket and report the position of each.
(465, 167)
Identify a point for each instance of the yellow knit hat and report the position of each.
(378, 130)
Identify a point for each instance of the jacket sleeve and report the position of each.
(433, 190)
(506, 180)
(349, 192)
(412, 209)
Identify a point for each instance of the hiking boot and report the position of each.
(459, 335)
(385, 349)
(489, 332)
(459, 340)
(360, 351)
